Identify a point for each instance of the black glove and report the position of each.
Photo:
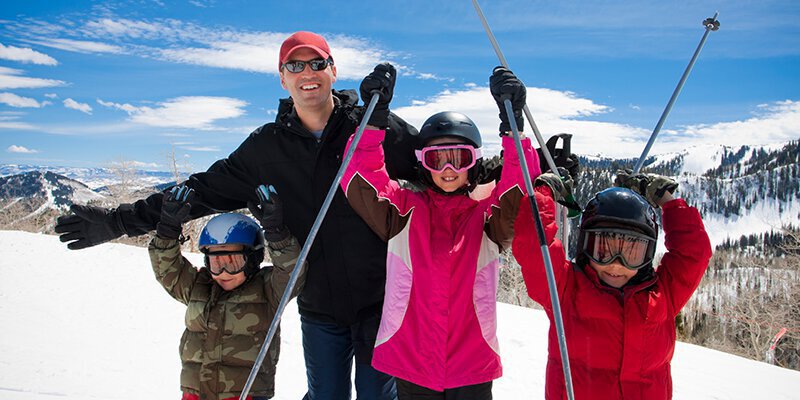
(505, 85)
(88, 226)
(649, 186)
(269, 213)
(489, 169)
(380, 81)
(175, 208)
(562, 190)
(563, 157)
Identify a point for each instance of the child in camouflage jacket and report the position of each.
(231, 301)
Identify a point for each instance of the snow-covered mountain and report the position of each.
(94, 178)
(94, 324)
(739, 190)
(55, 190)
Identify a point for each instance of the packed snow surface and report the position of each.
(94, 324)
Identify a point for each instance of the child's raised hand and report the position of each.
(652, 187)
(269, 212)
(175, 208)
(562, 189)
(505, 85)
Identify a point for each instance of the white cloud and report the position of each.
(197, 112)
(258, 52)
(79, 46)
(124, 107)
(82, 107)
(132, 164)
(202, 4)
(773, 123)
(15, 125)
(182, 42)
(11, 78)
(10, 120)
(51, 95)
(13, 100)
(19, 149)
(563, 112)
(202, 148)
(554, 111)
(25, 55)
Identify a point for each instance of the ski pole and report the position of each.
(307, 247)
(547, 156)
(711, 24)
(551, 279)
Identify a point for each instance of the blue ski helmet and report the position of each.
(239, 229)
(232, 229)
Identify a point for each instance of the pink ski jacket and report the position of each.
(438, 328)
(620, 343)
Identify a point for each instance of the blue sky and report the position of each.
(90, 83)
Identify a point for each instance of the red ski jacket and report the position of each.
(620, 342)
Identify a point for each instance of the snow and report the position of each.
(94, 324)
(763, 217)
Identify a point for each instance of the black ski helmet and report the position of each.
(450, 124)
(620, 209)
(455, 125)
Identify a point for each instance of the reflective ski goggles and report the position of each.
(460, 157)
(317, 64)
(633, 250)
(232, 262)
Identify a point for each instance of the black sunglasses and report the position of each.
(317, 64)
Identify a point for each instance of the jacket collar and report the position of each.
(286, 111)
(452, 202)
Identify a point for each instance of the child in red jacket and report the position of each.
(618, 310)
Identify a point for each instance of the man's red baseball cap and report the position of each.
(304, 39)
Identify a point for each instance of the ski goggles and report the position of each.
(460, 157)
(633, 250)
(317, 64)
(232, 262)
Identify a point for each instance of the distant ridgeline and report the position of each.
(749, 175)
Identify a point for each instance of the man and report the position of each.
(299, 154)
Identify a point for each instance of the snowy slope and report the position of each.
(94, 324)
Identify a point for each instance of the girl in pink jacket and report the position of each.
(438, 329)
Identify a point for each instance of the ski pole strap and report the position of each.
(312, 234)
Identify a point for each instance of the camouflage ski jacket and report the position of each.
(225, 330)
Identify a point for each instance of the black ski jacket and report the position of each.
(347, 263)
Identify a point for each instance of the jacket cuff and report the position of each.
(675, 203)
(281, 244)
(372, 137)
(163, 244)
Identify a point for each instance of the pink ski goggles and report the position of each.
(459, 157)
